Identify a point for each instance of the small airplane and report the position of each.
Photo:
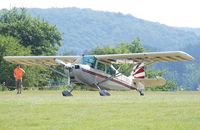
(98, 72)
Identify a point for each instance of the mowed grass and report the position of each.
(86, 110)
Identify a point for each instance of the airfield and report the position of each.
(86, 110)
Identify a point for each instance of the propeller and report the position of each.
(68, 65)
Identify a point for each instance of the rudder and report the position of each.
(138, 71)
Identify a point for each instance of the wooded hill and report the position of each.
(85, 29)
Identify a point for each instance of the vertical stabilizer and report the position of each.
(138, 71)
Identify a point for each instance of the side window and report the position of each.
(101, 66)
(110, 70)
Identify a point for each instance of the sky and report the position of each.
(179, 13)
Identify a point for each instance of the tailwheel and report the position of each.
(104, 93)
(66, 93)
(141, 92)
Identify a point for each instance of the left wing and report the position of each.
(40, 60)
(168, 56)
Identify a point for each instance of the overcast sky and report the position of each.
(181, 13)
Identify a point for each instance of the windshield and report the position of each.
(88, 60)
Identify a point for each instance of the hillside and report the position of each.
(85, 29)
(195, 30)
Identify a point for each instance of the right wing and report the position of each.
(168, 56)
(40, 60)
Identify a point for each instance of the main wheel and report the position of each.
(104, 93)
(66, 93)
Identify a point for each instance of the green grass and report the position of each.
(86, 110)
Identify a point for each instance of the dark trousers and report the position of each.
(19, 85)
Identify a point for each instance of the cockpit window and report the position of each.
(101, 66)
(88, 60)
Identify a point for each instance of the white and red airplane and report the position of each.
(97, 71)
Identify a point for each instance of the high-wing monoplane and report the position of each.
(98, 71)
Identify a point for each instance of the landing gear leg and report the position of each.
(140, 88)
(67, 75)
(141, 92)
(102, 92)
(68, 92)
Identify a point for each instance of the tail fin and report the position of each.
(138, 71)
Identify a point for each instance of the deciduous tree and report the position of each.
(40, 36)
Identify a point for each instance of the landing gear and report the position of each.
(139, 87)
(141, 92)
(67, 75)
(68, 92)
(102, 92)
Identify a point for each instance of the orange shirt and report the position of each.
(18, 73)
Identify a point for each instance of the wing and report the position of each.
(169, 56)
(111, 58)
(40, 60)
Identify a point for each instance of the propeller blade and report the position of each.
(68, 65)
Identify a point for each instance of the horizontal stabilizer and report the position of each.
(158, 81)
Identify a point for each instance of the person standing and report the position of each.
(18, 74)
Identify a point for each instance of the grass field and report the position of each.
(86, 110)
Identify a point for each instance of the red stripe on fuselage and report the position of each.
(105, 77)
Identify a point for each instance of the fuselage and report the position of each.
(90, 71)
